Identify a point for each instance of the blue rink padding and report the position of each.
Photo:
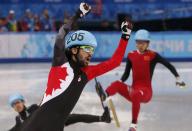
(38, 47)
(45, 60)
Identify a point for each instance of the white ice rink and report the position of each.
(169, 110)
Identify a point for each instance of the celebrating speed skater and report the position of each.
(70, 72)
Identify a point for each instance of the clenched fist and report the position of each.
(84, 9)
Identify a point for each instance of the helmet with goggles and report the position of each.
(82, 38)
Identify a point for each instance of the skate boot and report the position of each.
(133, 127)
(106, 115)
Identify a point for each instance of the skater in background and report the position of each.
(142, 62)
(17, 102)
(70, 72)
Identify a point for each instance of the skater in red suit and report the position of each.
(142, 62)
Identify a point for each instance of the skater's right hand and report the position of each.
(126, 28)
(84, 9)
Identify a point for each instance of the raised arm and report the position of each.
(115, 60)
(59, 56)
(127, 71)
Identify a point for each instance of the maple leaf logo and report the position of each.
(56, 75)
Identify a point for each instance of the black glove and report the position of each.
(84, 9)
(180, 83)
(126, 28)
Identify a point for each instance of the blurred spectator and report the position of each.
(46, 21)
(105, 25)
(37, 23)
(3, 25)
(116, 25)
(66, 16)
(28, 21)
(12, 22)
(97, 9)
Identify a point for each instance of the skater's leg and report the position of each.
(86, 118)
(138, 96)
(119, 87)
(136, 102)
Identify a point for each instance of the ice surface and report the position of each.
(169, 110)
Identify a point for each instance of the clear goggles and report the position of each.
(87, 49)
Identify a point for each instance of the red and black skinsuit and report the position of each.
(65, 84)
(140, 91)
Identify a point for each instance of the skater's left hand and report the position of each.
(180, 83)
(126, 28)
(84, 9)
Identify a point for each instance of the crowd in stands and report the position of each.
(104, 17)
(41, 21)
(28, 22)
(31, 22)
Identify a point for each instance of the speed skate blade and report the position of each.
(115, 118)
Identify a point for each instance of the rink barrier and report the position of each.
(38, 47)
(49, 60)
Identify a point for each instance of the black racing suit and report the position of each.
(24, 115)
(66, 82)
(72, 119)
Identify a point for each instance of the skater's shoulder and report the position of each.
(152, 52)
(132, 52)
(33, 107)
